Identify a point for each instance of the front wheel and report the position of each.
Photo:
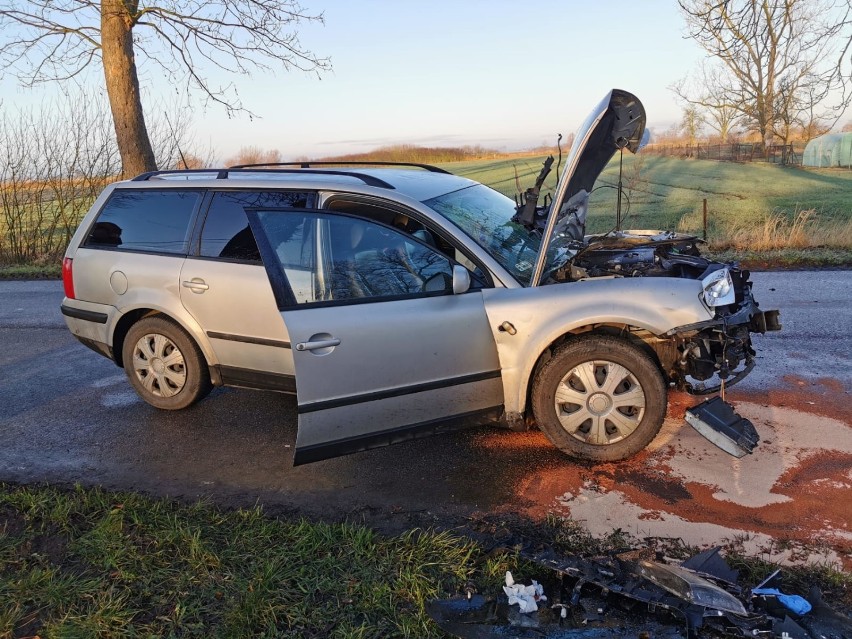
(599, 398)
(164, 364)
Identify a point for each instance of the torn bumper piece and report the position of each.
(717, 352)
(603, 597)
(627, 595)
(716, 420)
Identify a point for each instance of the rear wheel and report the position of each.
(599, 398)
(164, 364)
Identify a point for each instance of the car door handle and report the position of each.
(196, 285)
(317, 344)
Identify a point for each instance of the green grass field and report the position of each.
(91, 563)
(756, 206)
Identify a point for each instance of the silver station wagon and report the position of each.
(400, 301)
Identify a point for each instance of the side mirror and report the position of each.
(461, 279)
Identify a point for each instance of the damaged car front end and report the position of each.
(700, 358)
(701, 355)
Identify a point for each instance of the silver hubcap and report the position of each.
(599, 402)
(159, 365)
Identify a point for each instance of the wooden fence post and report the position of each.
(705, 219)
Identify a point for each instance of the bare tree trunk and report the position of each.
(122, 86)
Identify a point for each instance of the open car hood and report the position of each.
(618, 122)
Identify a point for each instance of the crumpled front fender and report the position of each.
(539, 316)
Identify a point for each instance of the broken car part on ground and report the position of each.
(634, 594)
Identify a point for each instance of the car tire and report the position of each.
(164, 364)
(599, 398)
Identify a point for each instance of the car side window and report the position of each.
(329, 258)
(411, 226)
(226, 233)
(145, 220)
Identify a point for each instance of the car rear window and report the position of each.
(145, 220)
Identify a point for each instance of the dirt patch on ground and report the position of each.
(824, 396)
(790, 499)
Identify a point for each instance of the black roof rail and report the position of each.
(224, 174)
(308, 164)
(221, 174)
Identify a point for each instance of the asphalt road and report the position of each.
(68, 415)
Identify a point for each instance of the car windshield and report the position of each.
(486, 216)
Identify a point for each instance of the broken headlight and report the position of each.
(718, 288)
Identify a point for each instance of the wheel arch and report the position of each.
(639, 337)
(603, 424)
(130, 317)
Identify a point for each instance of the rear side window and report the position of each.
(145, 220)
(226, 234)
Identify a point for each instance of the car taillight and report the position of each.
(68, 277)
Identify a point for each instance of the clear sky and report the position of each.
(506, 74)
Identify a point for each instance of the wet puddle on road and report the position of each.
(789, 500)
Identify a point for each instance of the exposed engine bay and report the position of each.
(702, 358)
(636, 254)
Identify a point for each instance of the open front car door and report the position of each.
(388, 343)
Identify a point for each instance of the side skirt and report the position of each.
(246, 378)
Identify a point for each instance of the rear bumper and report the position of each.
(99, 347)
(90, 323)
(83, 314)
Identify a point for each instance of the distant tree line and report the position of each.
(787, 154)
(420, 154)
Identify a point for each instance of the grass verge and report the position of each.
(785, 258)
(30, 271)
(93, 563)
(87, 562)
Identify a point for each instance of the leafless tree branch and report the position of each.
(46, 40)
(773, 61)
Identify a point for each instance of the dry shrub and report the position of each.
(414, 153)
(254, 155)
(777, 231)
(55, 160)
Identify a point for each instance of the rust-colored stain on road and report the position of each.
(790, 499)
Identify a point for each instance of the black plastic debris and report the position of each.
(710, 564)
(630, 595)
(768, 591)
(799, 617)
(492, 618)
(716, 420)
(786, 628)
(824, 621)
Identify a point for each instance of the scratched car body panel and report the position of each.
(402, 301)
